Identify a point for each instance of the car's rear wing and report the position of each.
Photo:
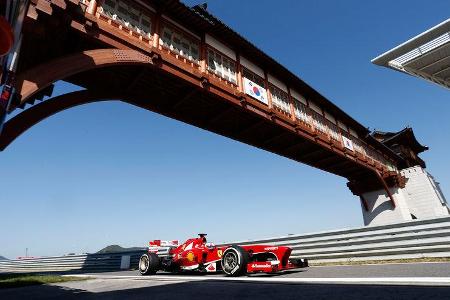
(160, 243)
(161, 248)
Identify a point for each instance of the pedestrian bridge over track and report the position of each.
(184, 63)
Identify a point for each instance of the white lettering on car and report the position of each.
(261, 266)
(270, 248)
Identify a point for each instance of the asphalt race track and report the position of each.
(394, 281)
(362, 271)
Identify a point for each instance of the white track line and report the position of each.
(374, 280)
(380, 264)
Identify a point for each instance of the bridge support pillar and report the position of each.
(409, 194)
(377, 207)
(382, 198)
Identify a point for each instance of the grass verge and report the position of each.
(381, 262)
(19, 280)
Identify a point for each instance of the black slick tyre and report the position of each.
(149, 263)
(234, 261)
(300, 263)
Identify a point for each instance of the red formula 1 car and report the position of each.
(197, 255)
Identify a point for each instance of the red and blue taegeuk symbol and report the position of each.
(256, 91)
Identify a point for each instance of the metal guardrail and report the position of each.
(74, 263)
(413, 239)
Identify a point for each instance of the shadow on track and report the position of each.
(200, 290)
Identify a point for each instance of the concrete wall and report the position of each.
(421, 198)
(380, 209)
(424, 198)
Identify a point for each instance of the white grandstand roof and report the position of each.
(426, 55)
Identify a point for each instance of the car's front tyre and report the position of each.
(234, 261)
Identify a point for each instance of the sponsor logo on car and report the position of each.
(270, 248)
(261, 266)
(219, 253)
(190, 256)
(211, 267)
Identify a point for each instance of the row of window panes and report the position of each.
(371, 154)
(358, 146)
(301, 111)
(180, 43)
(128, 15)
(217, 63)
(280, 99)
(374, 155)
(333, 131)
(318, 121)
(221, 66)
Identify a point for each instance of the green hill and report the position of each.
(117, 248)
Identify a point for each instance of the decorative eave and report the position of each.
(405, 136)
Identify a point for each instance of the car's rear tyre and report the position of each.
(149, 263)
(234, 261)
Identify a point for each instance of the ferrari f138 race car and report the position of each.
(198, 255)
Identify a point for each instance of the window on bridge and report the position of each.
(359, 147)
(333, 130)
(221, 65)
(373, 154)
(128, 15)
(301, 112)
(319, 121)
(280, 100)
(180, 43)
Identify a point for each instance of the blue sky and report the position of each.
(110, 173)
